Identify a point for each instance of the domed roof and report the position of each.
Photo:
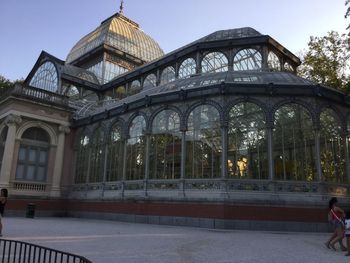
(231, 34)
(120, 33)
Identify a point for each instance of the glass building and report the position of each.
(220, 125)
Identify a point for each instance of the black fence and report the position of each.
(13, 251)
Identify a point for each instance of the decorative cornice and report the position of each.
(63, 129)
(13, 119)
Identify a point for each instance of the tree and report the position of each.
(5, 83)
(327, 61)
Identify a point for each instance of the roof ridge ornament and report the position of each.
(121, 7)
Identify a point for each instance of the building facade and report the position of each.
(218, 133)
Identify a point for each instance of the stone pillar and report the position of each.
(11, 121)
(124, 166)
(318, 155)
(58, 165)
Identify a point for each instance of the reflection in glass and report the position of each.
(82, 160)
(150, 81)
(187, 68)
(247, 59)
(247, 142)
(135, 168)
(203, 143)
(45, 77)
(165, 147)
(214, 62)
(96, 156)
(273, 61)
(115, 154)
(168, 75)
(135, 87)
(331, 147)
(113, 70)
(294, 144)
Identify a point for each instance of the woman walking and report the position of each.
(336, 215)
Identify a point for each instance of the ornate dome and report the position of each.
(120, 33)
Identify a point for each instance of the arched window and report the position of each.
(331, 147)
(135, 168)
(120, 92)
(203, 143)
(187, 68)
(294, 144)
(33, 155)
(247, 142)
(168, 75)
(273, 61)
(115, 154)
(288, 67)
(45, 77)
(214, 62)
(96, 156)
(3, 136)
(150, 81)
(247, 59)
(72, 91)
(82, 160)
(165, 147)
(135, 87)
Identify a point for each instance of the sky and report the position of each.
(29, 26)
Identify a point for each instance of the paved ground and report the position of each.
(110, 241)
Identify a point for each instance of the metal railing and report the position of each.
(13, 251)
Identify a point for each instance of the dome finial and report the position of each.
(121, 7)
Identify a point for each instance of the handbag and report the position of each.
(341, 220)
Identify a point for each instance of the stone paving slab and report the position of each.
(110, 241)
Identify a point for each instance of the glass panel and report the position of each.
(113, 70)
(36, 134)
(22, 154)
(203, 143)
(273, 61)
(214, 62)
(288, 67)
(42, 157)
(96, 157)
(136, 150)
(72, 91)
(247, 142)
(97, 69)
(120, 92)
(150, 81)
(331, 148)
(247, 59)
(45, 77)
(82, 160)
(135, 87)
(115, 155)
(187, 68)
(30, 172)
(168, 75)
(165, 146)
(294, 144)
(41, 174)
(32, 155)
(20, 172)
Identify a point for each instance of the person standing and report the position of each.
(3, 201)
(336, 215)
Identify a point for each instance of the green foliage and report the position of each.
(5, 83)
(327, 61)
